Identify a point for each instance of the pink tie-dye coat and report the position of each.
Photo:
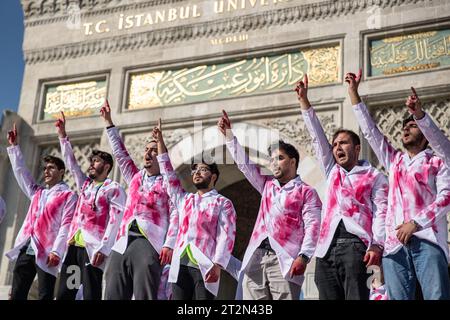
(49, 215)
(419, 188)
(436, 138)
(207, 223)
(98, 223)
(147, 201)
(289, 216)
(358, 197)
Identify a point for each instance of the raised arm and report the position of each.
(23, 176)
(323, 149)
(67, 152)
(384, 151)
(173, 184)
(430, 130)
(250, 170)
(127, 166)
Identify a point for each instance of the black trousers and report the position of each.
(77, 269)
(24, 272)
(137, 271)
(341, 274)
(190, 285)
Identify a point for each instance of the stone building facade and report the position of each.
(186, 60)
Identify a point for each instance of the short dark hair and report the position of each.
(290, 150)
(211, 166)
(353, 136)
(406, 120)
(56, 161)
(105, 156)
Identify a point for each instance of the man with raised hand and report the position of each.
(95, 223)
(206, 229)
(41, 242)
(287, 227)
(144, 242)
(352, 228)
(419, 199)
(430, 130)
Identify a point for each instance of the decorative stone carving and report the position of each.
(295, 130)
(136, 41)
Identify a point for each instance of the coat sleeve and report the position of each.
(322, 148)
(384, 151)
(60, 244)
(226, 233)
(172, 231)
(117, 200)
(172, 183)
(71, 162)
(379, 198)
(441, 205)
(126, 165)
(312, 207)
(23, 176)
(436, 138)
(250, 170)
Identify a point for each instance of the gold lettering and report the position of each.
(253, 3)
(172, 15)
(184, 12)
(218, 6)
(160, 16)
(87, 28)
(129, 22)
(138, 19)
(232, 4)
(195, 13)
(148, 19)
(121, 21)
(97, 27)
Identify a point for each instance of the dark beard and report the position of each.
(98, 171)
(204, 184)
(414, 143)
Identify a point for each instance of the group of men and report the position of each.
(158, 241)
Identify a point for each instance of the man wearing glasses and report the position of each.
(206, 229)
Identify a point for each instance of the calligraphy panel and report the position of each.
(75, 99)
(234, 79)
(410, 52)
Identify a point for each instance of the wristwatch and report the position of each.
(414, 222)
(304, 257)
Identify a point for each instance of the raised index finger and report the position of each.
(63, 117)
(414, 91)
(305, 80)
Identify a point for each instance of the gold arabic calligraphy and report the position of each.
(244, 77)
